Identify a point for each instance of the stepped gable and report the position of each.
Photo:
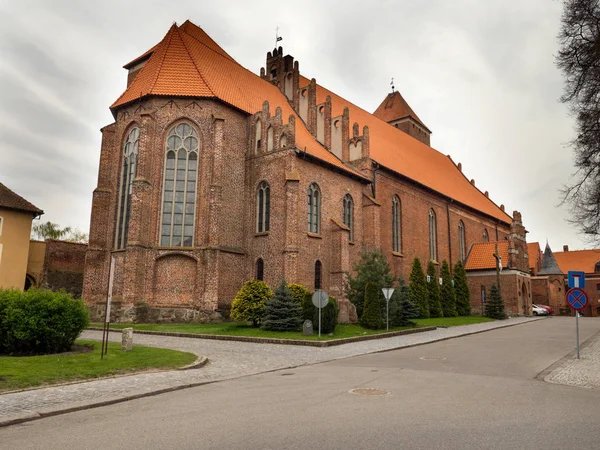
(394, 107)
(405, 155)
(187, 63)
(12, 200)
(549, 264)
(578, 260)
(481, 256)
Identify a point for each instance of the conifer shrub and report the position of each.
(329, 316)
(418, 288)
(249, 303)
(495, 305)
(40, 321)
(461, 287)
(308, 309)
(372, 268)
(402, 310)
(447, 295)
(433, 292)
(371, 317)
(282, 311)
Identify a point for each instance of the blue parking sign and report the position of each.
(576, 279)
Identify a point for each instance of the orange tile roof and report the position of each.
(395, 107)
(580, 260)
(481, 255)
(188, 63)
(535, 254)
(139, 58)
(396, 150)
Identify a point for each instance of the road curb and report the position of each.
(257, 340)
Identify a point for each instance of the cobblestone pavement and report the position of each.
(227, 359)
(583, 372)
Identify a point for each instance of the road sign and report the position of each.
(387, 293)
(577, 299)
(576, 279)
(320, 299)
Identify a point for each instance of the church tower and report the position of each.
(398, 113)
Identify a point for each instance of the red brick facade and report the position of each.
(195, 283)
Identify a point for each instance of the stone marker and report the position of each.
(127, 339)
(307, 328)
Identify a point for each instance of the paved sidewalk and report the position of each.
(227, 360)
(584, 372)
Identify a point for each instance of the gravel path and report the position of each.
(583, 372)
(227, 359)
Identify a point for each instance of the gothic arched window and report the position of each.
(318, 274)
(348, 214)
(260, 269)
(486, 238)
(461, 240)
(314, 209)
(129, 171)
(179, 188)
(396, 224)
(432, 236)
(263, 207)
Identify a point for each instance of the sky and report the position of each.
(480, 75)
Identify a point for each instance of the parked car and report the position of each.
(539, 311)
(546, 307)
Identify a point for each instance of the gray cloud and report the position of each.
(481, 75)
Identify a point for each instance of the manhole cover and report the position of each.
(369, 392)
(433, 358)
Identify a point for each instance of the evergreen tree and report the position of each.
(372, 268)
(371, 317)
(282, 311)
(433, 291)
(329, 316)
(448, 297)
(461, 288)
(249, 302)
(495, 305)
(404, 310)
(418, 288)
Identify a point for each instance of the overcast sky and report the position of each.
(480, 74)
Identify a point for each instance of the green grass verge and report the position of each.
(452, 321)
(30, 371)
(242, 329)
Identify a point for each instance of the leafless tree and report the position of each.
(579, 60)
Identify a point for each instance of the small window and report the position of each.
(461, 240)
(283, 141)
(314, 208)
(396, 224)
(432, 236)
(270, 139)
(483, 295)
(263, 207)
(260, 269)
(318, 274)
(1, 222)
(273, 72)
(348, 215)
(486, 238)
(257, 135)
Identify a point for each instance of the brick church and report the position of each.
(212, 175)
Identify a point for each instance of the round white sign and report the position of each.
(320, 298)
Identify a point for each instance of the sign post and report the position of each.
(387, 293)
(320, 299)
(578, 300)
(106, 325)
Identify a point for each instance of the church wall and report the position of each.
(515, 289)
(416, 203)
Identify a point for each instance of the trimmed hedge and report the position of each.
(371, 317)
(39, 321)
(329, 317)
(298, 292)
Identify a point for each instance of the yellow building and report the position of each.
(16, 215)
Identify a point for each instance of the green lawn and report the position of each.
(452, 321)
(242, 329)
(30, 371)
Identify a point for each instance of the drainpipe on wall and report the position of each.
(497, 260)
(449, 236)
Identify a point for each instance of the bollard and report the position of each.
(127, 339)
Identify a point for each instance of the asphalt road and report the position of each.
(474, 392)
